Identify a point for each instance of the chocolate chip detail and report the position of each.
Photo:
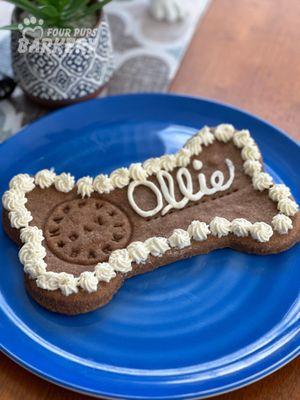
(67, 209)
(117, 237)
(58, 219)
(75, 253)
(73, 237)
(54, 232)
(92, 254)
(100, 221)
(107, 248)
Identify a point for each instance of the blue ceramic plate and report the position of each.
(192, 329)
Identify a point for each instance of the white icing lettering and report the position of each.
(185, 183)
(155, 190)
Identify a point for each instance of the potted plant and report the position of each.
(61, 49)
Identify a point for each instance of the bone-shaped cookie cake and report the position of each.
(81, 240)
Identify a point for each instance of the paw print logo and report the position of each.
(32, 27)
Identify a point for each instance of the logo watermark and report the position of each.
(36, 38)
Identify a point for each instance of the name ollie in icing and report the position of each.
(184, 180)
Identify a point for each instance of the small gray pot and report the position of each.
(61, 77)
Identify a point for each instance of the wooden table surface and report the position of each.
(247, 53)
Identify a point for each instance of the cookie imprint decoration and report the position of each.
(86, 231)
(101, 231)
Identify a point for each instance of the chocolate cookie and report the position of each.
(81, 240)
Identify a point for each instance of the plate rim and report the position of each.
(215, 391)
(226, 389)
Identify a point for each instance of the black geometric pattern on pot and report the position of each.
(58, 49)
(107, 70)
(15, 54)
(104, 41)
(82, 88)
(111, 67)
(62, 80)
(98, 70)
(62, 75)
(15, 35)
(43, 65)
(92, 38)
(144, 73)
(78, 60)
(45, 92)
(23, 74)
(121, 40)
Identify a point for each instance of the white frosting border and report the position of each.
(32, 253)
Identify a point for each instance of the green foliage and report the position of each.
(58, 13)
